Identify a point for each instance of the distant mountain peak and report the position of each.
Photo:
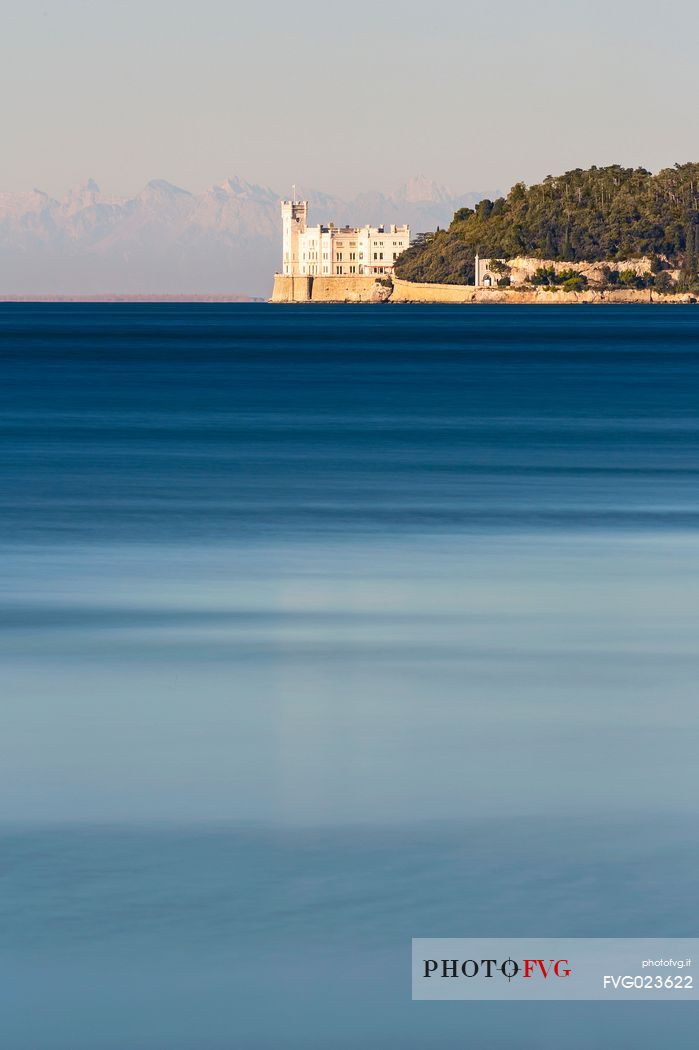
(163, 187)
(85, 190)
(419, 189)
(234, 186)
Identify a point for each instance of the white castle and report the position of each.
(337, 251)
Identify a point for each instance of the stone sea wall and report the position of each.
(350, 289)
(353, 289)
(408, 292)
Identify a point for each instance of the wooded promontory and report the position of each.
(596, 215)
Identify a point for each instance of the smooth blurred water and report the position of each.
(325, 627)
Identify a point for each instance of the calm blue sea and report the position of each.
(326, 627)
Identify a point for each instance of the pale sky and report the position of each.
(341, 97)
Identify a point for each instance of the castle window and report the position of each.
(381, 256)
(339, 255)
(375, 256)
(339, 269)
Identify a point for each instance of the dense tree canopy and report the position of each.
(608, 214)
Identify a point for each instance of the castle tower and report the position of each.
(294, 215)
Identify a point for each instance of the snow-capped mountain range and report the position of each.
(166, 240)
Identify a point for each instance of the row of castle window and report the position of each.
(353, 255)
(313, 256)
(340, 269)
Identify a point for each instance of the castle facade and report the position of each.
(337, 251)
